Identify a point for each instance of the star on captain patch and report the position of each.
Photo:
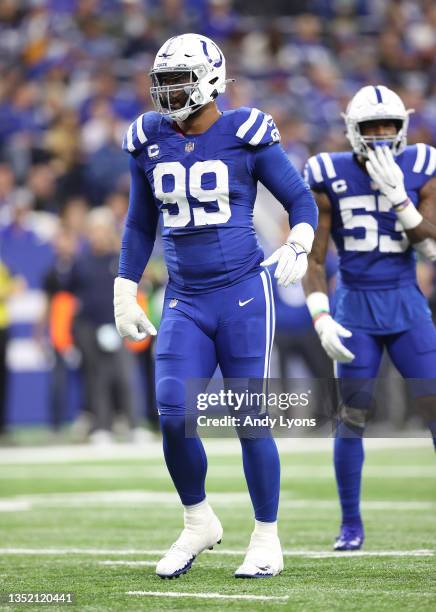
(189, 147)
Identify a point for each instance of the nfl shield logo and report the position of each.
(189, 147)
(173, 303)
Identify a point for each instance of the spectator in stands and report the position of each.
(118, 203)
(8, 287)
(106, 364)
(42, 184)
(58, 316)
(7, 186)
(74, 77)
(73, 217)
(79, 58)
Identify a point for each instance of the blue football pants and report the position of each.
(234, 328)
(413, 353)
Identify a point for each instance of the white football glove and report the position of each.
(291, 261)
(130, 319)
(291, 258)
(387, 175)
(329, 332)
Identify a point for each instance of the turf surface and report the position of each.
(96, 527)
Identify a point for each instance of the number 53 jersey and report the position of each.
(377, 289)
(204, 187)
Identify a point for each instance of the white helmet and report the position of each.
(203, 65)
(373, 103)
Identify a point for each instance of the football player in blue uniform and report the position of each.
(379, 204)
(195, 169)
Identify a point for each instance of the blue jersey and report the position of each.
(377, 289)
(374, 252)
(203, 188)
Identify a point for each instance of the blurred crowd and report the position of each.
(74, 75)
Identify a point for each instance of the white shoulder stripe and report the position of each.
(431, 167)
(316, 169)
(140, 131)
(260, 132)
(329, 167)
(243, 129)
(130, 144)
(420, 157)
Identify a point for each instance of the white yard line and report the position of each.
(365, 553)
(13, 505)
(209, 595)
(79, 551)
(315, 554)
(138, 499)
(129, 563)
(130, 498)
(290, 472)
(214, 447)
(366, 505)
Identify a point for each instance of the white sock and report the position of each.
(198, 513)
(267, 529)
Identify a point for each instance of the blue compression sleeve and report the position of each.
(140, 231)
(273, 169)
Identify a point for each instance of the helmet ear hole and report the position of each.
(214, 93)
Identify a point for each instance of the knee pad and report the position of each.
(353, 417)
(357, 392)
(170, 395)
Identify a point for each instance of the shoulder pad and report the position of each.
(319, 168)
(144, 128)
(422, 158)
(254, 127)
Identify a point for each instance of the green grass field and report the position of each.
(95, 526)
